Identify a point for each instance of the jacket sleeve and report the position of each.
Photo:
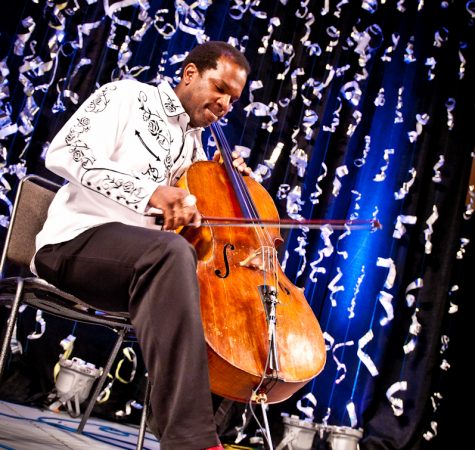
(84, 151)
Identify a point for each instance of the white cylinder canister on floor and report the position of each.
(303, 435)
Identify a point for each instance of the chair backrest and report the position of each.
(30, 209)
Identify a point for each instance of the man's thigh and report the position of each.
(98, 265)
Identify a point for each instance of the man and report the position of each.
(122, 153)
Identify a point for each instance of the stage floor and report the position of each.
(26, 428)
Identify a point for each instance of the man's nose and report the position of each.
(225, 103)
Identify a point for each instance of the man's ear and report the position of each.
(189, 72)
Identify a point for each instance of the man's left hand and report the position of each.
(238, 161)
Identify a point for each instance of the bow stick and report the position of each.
(337, 224)
(314, 224)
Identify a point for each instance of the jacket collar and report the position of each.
(170, 102)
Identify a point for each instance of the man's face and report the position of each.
(208, 96)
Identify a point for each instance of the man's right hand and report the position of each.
(178, 206)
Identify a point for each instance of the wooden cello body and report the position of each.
(262, 335)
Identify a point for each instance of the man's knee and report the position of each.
(180, 246)
(177, 248)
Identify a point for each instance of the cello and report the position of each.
(263, 339)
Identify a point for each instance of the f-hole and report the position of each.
(226, 262)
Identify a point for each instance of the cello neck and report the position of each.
(245, 201)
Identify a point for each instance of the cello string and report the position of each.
(243, 192)
(266, 243)
(234, 173)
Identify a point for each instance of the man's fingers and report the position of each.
(196, 219)
(180, 216)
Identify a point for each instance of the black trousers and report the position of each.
(151, 274)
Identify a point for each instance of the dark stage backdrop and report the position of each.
(353, 110)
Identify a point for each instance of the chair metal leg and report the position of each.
(102, 379)
(143, 418)
(11, 324)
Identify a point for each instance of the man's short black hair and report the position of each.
(205, 56)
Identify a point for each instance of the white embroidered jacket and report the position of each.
(123, 142)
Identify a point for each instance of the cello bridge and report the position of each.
(263, 259)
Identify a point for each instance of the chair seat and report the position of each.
(40, 294)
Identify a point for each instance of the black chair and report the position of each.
(30, 208)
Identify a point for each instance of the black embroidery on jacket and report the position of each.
(158, 129)
(120, 187)
(169, 104)
(100, 101)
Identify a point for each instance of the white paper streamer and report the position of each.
(163, 26)
(300, 249)
(340, 367)
(436, 177)
(404, 190)
(334, 34)
(387, 56)
(274, 22)
(341, 172)
(314, 195)
(463, 61)
(356, 290)
(299, 159)
(428, 435)
(409, 346)
(308, 411)
(414, 285)
(398, 118)
(294, 203)
(283, 191)
(450, 106)
(388, 263)
(431, 63)
(329, 339)
(422, 120)
(444, 365)
(399, 228)
(352, 92)
(440, 37)
(309, 123)
(414, 330)
(445, 341)
(409, 54)
(334, 289)
(370, 5)
(336, 119)
(380, 100)
(453, 308)
(429, 230)
(284, 261)
(364, 357)
(400, 5)
(325, 252)
(381, 176)
(355, 214)
(41, 322)
(359, 162)
(285, 53)
(461, 251)
(386, 302)
(337, 12)
(23, 38)
(343, 253)
(396, 403)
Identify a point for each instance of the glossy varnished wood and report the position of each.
(232, 310)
